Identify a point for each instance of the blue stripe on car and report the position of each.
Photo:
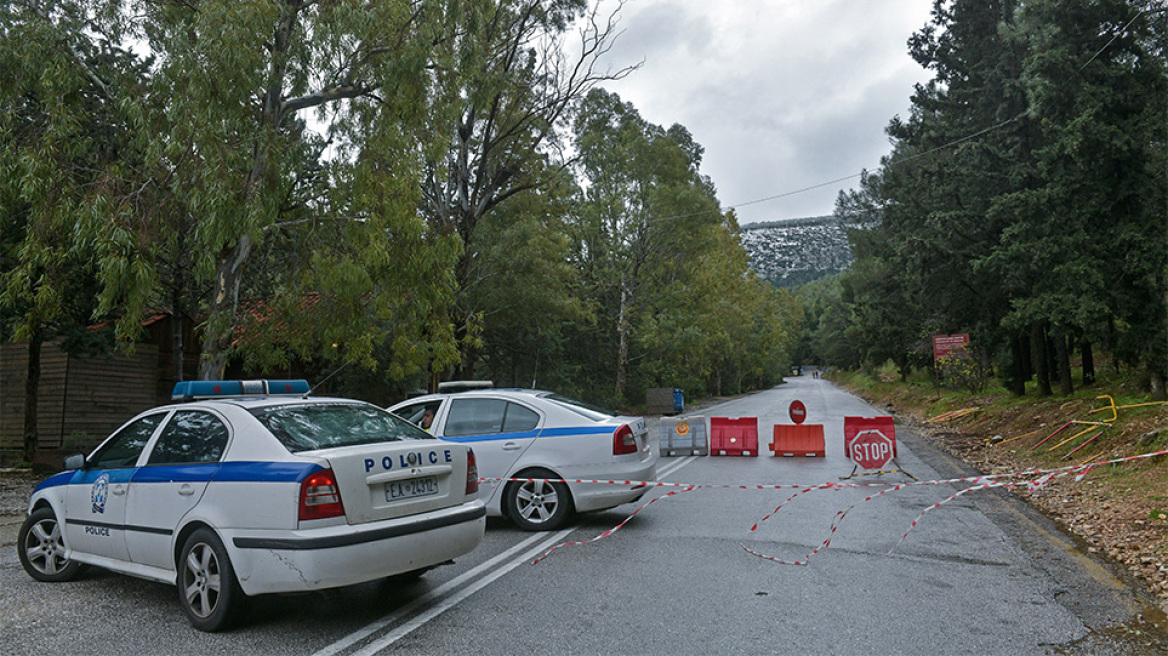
(590, 430)
(547, 432)
(64, 478)
(266, 472)
(234, 472)
(199, 473)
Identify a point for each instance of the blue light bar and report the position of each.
(189, 390)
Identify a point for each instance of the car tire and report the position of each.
(41, 547)
(207, 587)
(538, 505)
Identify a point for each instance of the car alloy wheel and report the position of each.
(206, 583)
(41, 548)
(538, 505)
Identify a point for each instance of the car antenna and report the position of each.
(325, 379)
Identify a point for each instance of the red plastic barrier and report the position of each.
(734, 437)
(803, 440)
(854, 425)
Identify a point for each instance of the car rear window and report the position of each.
(321, 426)
(581, 408)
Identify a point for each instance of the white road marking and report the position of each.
(453, 600)
(676, 465)
(451, 593)
(436, 593)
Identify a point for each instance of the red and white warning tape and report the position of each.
(1034, 480)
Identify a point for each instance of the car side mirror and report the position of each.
(75, 461)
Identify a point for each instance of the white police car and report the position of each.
(530, 434)
(253, 487)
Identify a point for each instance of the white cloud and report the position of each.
(782, 94)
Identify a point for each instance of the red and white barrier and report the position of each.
(1033, 480)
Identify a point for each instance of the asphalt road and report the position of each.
(983, 574)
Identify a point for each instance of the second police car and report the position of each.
(253, 487)
(528, 441)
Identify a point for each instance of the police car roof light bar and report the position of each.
(190, 390)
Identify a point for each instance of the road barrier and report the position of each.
(1033, 480)
(736, 436)
(870, 442)
(683, 436)
(804, 440)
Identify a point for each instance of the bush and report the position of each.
(960, 370)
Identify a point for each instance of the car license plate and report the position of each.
(415, 487)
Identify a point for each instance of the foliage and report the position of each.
(1023, 200)
(378, 193)
(964, 371)
(663, 265)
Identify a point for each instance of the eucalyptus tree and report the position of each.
(504, 76)
(525, 288)
(66, 158)
(222, 119)
(632, 171)
(663, 264)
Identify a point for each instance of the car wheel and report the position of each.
(41, 548)
(207, 587)
(538, 505)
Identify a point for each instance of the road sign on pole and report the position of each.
(870, 442)
(798, 411)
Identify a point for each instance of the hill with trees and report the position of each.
(798, 251)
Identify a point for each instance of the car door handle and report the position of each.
(118, 489)
(511, 446)
(186, 490)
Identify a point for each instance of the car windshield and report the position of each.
(325, 425)
(581, 408)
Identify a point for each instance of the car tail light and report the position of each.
(472, 473)
(624, 441)
(320, 497)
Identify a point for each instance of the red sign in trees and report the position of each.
(871, 449)
(943, 344)
(798, 411)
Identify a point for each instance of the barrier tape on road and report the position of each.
(1033, 480)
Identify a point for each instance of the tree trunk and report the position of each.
(1040, 357)
(1018, 374)
(176, 337)
(1158, 391)
(1063, 356)
(1088, 363)
(1027, 363)
(178, 285)
(220, 329)
(622, 357)
(31, 393)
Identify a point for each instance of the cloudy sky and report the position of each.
(783, 94)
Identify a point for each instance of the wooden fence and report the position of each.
(81, 399)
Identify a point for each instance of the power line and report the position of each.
(917, 156)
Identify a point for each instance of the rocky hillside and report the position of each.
(798, 251)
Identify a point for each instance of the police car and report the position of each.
(540, 435)
(253, 487)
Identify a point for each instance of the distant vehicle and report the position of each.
(530, 434)
(252, 487)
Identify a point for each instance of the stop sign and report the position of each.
(871, 449)
(798, 411)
